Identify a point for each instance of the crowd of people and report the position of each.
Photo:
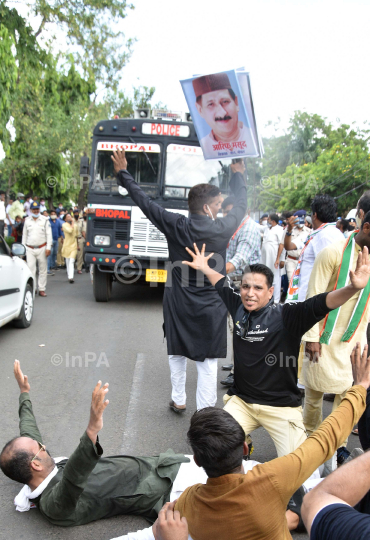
(54, 238)
(294, 339)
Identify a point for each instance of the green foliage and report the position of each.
(8, 77)
(314, 157)
(52, 98)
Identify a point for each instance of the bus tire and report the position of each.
(102, 285)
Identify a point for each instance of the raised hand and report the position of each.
(361, 275)
(22, 380)
(238, 167)
(200, 261)
(119, 160)
(360, 366)
(169, 525)
(98, 406)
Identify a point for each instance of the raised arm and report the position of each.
(165, 221)
(288, 244)
(200, 262)
(27, 421)
(321, 274)
(62, 499)
(292, 470)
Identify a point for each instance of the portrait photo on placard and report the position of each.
(219, 115)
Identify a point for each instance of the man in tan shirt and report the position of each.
(327, 367)
(253, 505)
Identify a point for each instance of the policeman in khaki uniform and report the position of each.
(81, 239)
(38, 239)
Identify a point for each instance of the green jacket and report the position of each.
(88, 487)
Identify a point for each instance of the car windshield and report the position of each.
(187, 167)
(143, 163)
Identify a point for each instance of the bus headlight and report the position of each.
(100, 240)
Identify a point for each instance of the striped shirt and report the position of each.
(245, 246)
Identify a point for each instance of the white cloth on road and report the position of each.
(207, 381)
(22, 500)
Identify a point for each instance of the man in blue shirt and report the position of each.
(56, 229)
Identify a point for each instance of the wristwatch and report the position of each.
(288, 233)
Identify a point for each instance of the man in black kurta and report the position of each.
(194, 314)
(87, 486)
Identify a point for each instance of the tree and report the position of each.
(54, 97)
(320, 159)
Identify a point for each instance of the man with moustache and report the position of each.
(218, 105)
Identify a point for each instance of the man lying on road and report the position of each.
(87, 487)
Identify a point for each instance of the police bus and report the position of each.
(165, 159)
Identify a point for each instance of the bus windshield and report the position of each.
(145, 169)
(187, 167)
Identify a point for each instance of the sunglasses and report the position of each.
(42, 447)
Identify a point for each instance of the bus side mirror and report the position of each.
(84, 166)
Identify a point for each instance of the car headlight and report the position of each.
(100, 240)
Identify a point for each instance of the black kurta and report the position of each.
(194, 314)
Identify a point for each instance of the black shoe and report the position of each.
(176, 408)
(227, 367)
(295, 505)
(229, 381)
(329, 397)
(342, 455)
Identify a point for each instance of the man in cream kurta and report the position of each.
(332, 372)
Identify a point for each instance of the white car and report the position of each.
(17, 286)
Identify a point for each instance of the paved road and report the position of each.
(120, 342)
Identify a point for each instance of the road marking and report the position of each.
(131, 424)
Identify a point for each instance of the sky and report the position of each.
(302, 55)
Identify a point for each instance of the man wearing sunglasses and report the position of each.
(87, 486)
(266, 343)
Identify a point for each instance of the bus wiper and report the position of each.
(147, 157)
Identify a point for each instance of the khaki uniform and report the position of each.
(60, 258)
(81, 243)
(37, 232)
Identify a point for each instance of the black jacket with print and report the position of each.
(266, 346)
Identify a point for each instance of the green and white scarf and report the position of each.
(342, 280)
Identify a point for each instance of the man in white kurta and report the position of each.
(271, 241)
(332, 373)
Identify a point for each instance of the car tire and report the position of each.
(25, 318)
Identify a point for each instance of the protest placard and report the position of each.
(222, 110)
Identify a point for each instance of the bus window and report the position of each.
(144, 169)
(187, 167)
